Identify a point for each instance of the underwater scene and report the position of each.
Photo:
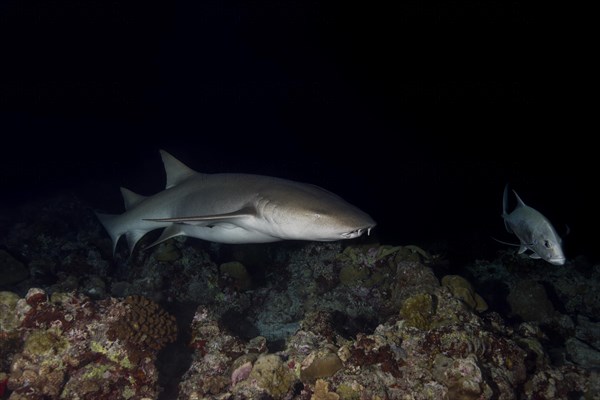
(297, 200)
(301, 319)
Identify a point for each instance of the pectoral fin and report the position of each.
(522, 249)
(208, 219)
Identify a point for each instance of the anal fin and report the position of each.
(133, 237)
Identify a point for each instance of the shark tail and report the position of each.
(504, 205)
(114, 225)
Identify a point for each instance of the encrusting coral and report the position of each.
(463, 290)
(418, 310)
(322, 392)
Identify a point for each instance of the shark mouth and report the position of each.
(557, 260)
(356, 233)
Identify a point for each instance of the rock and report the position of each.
(12, 271)
(529, 301)
(582, 354)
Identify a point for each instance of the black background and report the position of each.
(418, 113)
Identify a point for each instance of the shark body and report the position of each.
(534, 230)
(235, 208)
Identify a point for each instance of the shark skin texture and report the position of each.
(235, 208)
(534, 230)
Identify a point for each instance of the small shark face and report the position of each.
(549, 249)
(535, 232)
(322, 225)
(311, 213)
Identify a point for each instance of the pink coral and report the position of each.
(241, 373)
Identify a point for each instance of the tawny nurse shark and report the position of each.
(235, 208)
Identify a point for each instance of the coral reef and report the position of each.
(66, 352)
(322, 321)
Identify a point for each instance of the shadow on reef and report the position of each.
(175, 358)
(348, 327)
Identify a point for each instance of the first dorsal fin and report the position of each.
(176, 171)
(520, 202)
(130, 198)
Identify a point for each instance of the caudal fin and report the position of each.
(504, 205)
(112, 226)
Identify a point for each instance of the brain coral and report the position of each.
(144, 324)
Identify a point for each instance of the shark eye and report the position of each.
(547, 244)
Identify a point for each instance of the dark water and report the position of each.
(418, 115)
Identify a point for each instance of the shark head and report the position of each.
(548, 247)
(310, 212)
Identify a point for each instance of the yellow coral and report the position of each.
(113, 353)
(463, 290)
(42, 342)
(320, 364)
(418, 310)
(322, 391)
(271, 374)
